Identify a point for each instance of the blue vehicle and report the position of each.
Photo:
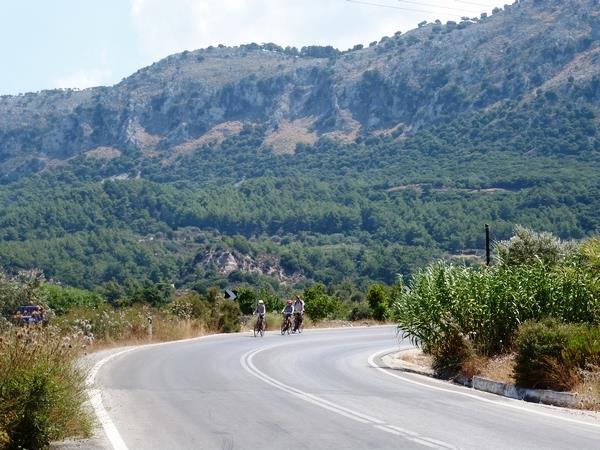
(30, 314)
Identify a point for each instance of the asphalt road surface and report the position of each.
(318, 390)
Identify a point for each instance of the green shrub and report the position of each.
(227, 316)
(247, 299)
(551, 355)
(272, 302)
(360, 311)
(41, 390)
(62, 299)
(379, 301)
(450, 355)
(583, 346)
(539, 346)
(527, 247)
(318, 304)
(190, 306)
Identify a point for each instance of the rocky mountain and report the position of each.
(398, 86)
(279, 167)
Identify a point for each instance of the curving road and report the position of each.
(318, 390)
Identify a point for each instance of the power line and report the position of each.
(472, 3)
(381, 5)
(435, 6)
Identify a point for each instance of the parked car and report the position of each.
(30, 314)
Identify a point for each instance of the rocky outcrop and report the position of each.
(225, 262)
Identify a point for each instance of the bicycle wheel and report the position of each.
(262, 330)
(255, 330)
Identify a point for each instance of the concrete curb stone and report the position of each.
(547, 397)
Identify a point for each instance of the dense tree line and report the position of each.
(367, 211)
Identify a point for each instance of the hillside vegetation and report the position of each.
(280, 167)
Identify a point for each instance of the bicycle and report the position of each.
(286, 325)
(259, 327)
(298, 323)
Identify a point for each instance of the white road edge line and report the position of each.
(95, 394)
(373, 364)
(248, 365)
(110, 430)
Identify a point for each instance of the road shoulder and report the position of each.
(409, 361)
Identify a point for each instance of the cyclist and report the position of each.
(287, 311)
(298, 312)
(260, 312)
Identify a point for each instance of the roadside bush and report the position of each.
(247, 299)
(452, 355)
(62, 299)
(110, 324)
(41, 390)
(488, 304)
(227, 316)
(552, 355)
(360, 311)
(190, 306)
(379, 301)
(318, 305)
(527, 247)
(272, 302)
(539, 349)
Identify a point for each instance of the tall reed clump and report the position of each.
(453, 311)
(41, 389)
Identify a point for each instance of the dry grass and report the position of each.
(500, 368)
(417, 358)
(178, 331)
(348, 129)
(589, 395)
(288, 134)
(473, 365)
(105, 153)
(215, 135)
(41, 389)
(589, 389)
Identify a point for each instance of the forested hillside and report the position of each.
(263, 165)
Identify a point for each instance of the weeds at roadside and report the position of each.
(41, 390)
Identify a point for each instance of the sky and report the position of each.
(48, 44)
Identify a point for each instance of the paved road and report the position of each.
(313, 391)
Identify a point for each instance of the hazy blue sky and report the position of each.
(46, 44)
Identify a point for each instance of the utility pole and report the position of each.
(487, 244)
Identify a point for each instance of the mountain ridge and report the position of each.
(402, 84)
(329, 166)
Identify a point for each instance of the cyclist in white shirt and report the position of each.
(298, 312)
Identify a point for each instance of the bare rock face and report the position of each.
(404, 83)
(227, 261)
